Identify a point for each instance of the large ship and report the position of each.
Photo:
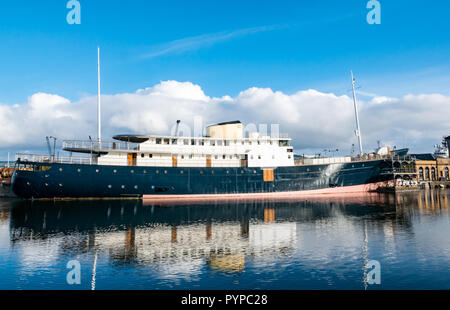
(223, 163)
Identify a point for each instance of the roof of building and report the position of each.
(426, 156)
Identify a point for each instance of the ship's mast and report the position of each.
(358, 130)
(99, 125)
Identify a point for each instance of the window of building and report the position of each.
(433, 173)
(446, 173)
(421, 173)
(427, 173)
(219, 142)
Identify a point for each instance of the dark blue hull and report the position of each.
(52, 180)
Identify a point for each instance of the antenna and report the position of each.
(99, 124)
(176, 128)
(358, 130)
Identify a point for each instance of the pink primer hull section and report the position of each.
(346, 191)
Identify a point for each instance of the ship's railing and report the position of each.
(55, 159)
(99, 146)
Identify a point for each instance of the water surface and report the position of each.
(310, 244)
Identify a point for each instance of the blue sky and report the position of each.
(294, 45)
(225, 47)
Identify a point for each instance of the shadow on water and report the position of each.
(223, 237)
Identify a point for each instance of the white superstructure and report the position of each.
(223, 146)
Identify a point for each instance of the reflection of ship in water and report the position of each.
(183, 238)
(132, 233)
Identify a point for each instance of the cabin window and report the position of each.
(259, 156)
(226, 143)
(201, 142)
(212, 142)
(158, 140)
(192, 141)
(242, 142)
(190, 156)
(259, 142)
(251, 157)
(142, 155)
(219, 142)
(186, 142)
(271, 142)
(174, 141)
(249, 142)
(216, 156)
(166, 141)
(150, 155)
(284, 143)
(182, 156)
(223, 156)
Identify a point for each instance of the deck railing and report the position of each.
(55, 159)
(99, 146)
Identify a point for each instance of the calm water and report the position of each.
(311, 244)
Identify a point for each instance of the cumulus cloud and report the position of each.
(315, 120)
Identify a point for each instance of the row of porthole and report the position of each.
(157, 171)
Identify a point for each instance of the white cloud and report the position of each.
(314, 120)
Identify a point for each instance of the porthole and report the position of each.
(254, 171)
(165, 171)
(173, 188)
(109, 186)
(46, 184)
(153, 186)
(353, 166)
(115, 171)
(228, 171)
(212, 171)
(46, 175)
(242, 171)
(181, 172)
(60, 185)
(132, 171)
(135, 187)
(201, 171)
(60, 169)
(363, 165)
(145, 171)
(157, 171)
(79, 170)
(96, 170)
(123, 186)
(28, 183)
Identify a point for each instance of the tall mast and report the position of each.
(358, 130)
(99, 124)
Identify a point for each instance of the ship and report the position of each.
(221, 164)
